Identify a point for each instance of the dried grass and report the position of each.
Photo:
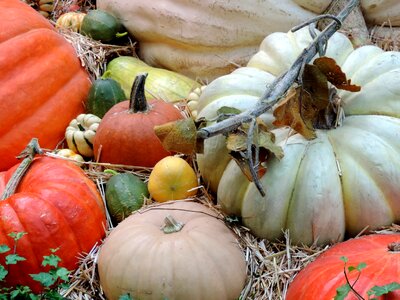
(94, 55)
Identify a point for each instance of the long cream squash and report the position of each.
(206, 39)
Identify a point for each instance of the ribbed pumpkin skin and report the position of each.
(43, 85)
(320, 279)
(58, 206)
(203, 261)
(209, 38)
(129, 138)
(322, 189)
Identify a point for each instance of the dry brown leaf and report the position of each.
(334, 74)
(178, 136)
(289, 112)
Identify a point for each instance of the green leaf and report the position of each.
(46, 279)
(62, 273)
(17, 235)
(342, 292)
(3, 272)
(53, 295)
(4, 248)
(384, 289)
(225, 112)
(344, 259)
(361, 266)
(20, 292)
(351, 268)
(12, 259)
(125, 297)
(51, 260)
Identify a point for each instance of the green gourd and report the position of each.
(125, 193)
(101, 26)
(103, 94)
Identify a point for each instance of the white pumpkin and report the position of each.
(339, 183)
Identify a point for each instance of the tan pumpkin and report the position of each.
(206, 39)
(176, 250)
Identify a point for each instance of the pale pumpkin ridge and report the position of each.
(376, 179)
(139, 233)
(193, 245)
(291, 200)
(150, 268)
(197, 236)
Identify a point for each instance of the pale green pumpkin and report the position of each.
(339, 183)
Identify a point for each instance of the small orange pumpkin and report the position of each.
(126, 132)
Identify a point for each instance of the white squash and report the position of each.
(205, 39)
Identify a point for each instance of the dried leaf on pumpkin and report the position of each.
(178, 136)
(334, 74)
(310, 105)
(237, 143)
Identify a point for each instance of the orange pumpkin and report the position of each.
(321, 278)
(126, 132)
(43, 85)
(57, 206)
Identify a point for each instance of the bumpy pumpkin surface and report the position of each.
(201, 261)
(342, 181)
(58, 206)
(321, 278)
(206, 39)
(43, 83)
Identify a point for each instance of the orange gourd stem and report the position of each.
(138, 101)
(29, 153)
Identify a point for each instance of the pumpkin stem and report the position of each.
(138, 102)
(394, 247)
(171, 225)
(28, 154)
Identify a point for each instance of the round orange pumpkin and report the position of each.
(126, 132)
(43, 85)
(320, 279)
(57, 206)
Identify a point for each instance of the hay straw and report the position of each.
(94, 55)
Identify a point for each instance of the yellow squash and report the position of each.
(160, 83)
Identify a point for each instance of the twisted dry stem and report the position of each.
(281, 84)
